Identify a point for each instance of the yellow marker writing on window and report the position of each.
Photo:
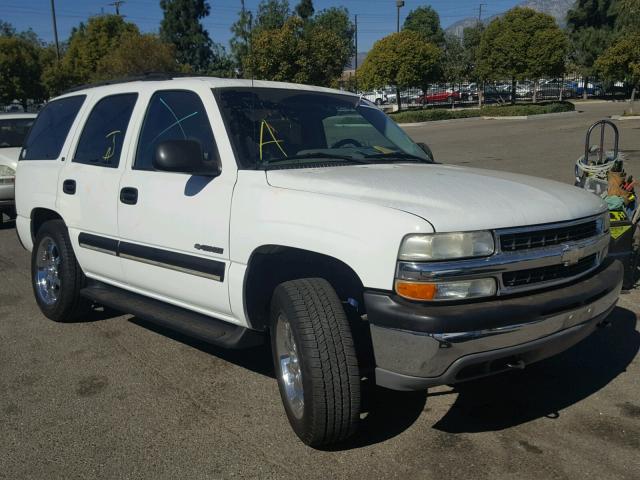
(272, 133)
(111, 149)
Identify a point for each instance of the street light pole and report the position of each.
(55, 29)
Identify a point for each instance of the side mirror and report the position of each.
(184, 156)
(425, 148)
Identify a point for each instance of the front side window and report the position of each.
(46, 138)
(174, 115)
(13, 131)
(103, 134)
(288, 128)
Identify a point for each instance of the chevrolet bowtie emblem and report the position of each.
(570, 256)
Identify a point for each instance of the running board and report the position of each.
(181, 320)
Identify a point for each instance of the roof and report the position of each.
(155, 82)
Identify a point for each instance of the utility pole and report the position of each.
(480, 11)
(55, 29)
(355, 72)
(399, 4)
(117, 4)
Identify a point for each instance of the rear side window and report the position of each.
(103, 133)
(174, 115)
(52, 126)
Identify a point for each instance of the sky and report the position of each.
(376, 18)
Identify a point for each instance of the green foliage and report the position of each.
(425, 21)
(454, 67)
(239, 42)
(6, 29)
(590, 24)
(471, 38)
(297, 52)
(411, 116)
(20, 70)
(136, 55)
(337, 20)
(272, 14)
(622, 60)
(305, 9)
(403, 59)
(627, 15)
(523, 43)
(181, 27)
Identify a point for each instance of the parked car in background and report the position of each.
(554, 88)
(438, 95)
(13, 130)
(491, 95)
(594, 89)
(379, 97)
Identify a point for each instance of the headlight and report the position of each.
(6, 171)
(447, 290)
(446, 246)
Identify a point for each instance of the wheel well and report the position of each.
(270, 265)
(38, 217)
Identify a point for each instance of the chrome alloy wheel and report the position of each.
(290, 369)
(48, 271)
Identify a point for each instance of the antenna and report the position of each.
(480, 11)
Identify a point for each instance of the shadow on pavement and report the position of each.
(257, 359)
(544, 389)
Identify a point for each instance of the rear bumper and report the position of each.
(417, 346)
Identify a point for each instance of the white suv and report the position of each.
(240, 211)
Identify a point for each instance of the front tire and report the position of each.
(315, 361)
(56, 276)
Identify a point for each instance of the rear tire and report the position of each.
(56, 276)
(315, 361)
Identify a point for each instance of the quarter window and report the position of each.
(103, 134)
(174, 115)
(47, 136)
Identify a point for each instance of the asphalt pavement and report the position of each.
(114, 397)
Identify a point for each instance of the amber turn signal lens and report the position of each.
(416, 291)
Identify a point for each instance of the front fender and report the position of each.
(364, 236)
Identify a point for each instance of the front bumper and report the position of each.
(418, 345)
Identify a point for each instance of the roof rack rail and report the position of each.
(145, 77)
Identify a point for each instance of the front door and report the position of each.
(174, 227)
(88, 185)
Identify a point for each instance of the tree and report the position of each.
(627, 15)
(272, 14)
(20, 71)
(297, 52)
(402, 59)
(181, 27)
(590, 25)
(522, 43)
(337, 20)
(305, 9)
(622, 61)
(6, 29)
(136, 55)
(453, 62)
(239, 42)
(426, 21)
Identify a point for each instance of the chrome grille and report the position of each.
(545, 274)
(511, 242)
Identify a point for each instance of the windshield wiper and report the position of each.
(401, 155)
(322, 155)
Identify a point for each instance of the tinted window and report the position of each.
(51, 128)
(174, 115)
(103, 134)
(13, 131)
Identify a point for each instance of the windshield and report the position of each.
(284, 128)
(13, 131)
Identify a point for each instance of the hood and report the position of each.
(9, 156)
(450, 198)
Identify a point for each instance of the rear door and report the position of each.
(89, 181)
(174, 227)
